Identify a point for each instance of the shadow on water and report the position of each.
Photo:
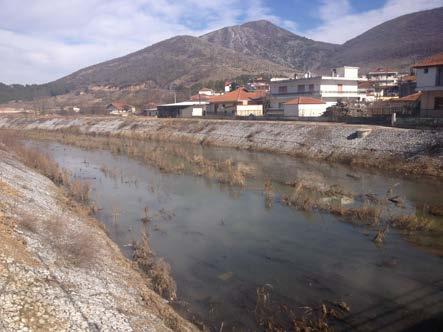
(226, 242)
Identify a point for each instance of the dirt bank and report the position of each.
(58, 269)
(408, 151)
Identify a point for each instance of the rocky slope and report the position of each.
(59, 271)
(268, 41)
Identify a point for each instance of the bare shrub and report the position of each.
(79, 190)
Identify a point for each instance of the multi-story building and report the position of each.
(385, 82)
(342, 85)
(429, 75)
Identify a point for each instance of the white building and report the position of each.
(120, 108)
(341, 85)
(385, 82)
(184, 109)
(429, 74)
(304, 106)
(207, 92)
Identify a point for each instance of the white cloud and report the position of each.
(340, 24)
(42, 40)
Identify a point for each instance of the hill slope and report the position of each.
(396, 43)
(179, 60)
(270, 42)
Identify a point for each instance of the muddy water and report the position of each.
(224, 242)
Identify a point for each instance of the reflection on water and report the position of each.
(223, 242)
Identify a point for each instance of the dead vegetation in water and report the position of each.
(269, 193)
(168, 159)
(156, 269)
(411, 223)
(108, 172)
(275, 317)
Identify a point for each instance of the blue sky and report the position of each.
(42, 40)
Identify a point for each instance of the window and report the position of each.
(283, 89)
(311, 87)
(340, 87)
(425, 70)
(301, 88)
(439, 81)
(438, 103)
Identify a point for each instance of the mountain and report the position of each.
(182, 60)
(396, 43)
(270, 42)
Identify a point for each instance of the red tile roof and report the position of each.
(365, 85)
(412, 98)
(304, 100)
(201, 97)
(237, 95)
(432, 61)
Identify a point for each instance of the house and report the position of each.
(259, 84)
(406, 85)
(304, 106)
(240, 102)
(185, 109)
(206, 92)
(150, 109)
(385, 82)
(407, 105)
(341, 85)
(429, 75)
(366, 91)
(120, 108)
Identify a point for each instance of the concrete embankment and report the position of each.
(403, 150)
(58, 269)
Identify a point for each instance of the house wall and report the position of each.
(427, 80)
(305, 110)
(428, 99)
(246, 110)
(348, 72)
(197, 111)
(325, 88)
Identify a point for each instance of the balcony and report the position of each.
(315, 92)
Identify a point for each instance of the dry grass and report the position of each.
(277, 317)
(269, 193)
(79, 191)
(157, 270)
(411, 223)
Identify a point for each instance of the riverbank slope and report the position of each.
(59, 271)
(408, 151)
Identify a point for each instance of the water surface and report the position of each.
(223, 242)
